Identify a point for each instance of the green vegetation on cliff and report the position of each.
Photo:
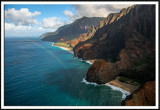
(130, 80)
(63, 44)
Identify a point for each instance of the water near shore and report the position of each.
(37, 73)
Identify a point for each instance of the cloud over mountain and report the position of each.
(97, 10)
(69, 15)
(53, 22)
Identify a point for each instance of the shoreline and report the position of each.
(71, 51)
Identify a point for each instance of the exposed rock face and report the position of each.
(144, 96)
(101, 72)
(82, 37)
(134, 30)
(125, 42)
(73, 30)
(114, 16)
(111, 18)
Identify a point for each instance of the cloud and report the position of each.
(97, 10)
(21, 30)
(69, 15)
(53, 22)
(21, 17)
(119, 7)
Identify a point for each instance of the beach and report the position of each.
(128, 87)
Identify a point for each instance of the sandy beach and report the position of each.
(92, 61)
(128, 87)
(64, 48)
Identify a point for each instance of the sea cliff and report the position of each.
(123, 45)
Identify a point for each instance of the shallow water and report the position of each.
(37, 73)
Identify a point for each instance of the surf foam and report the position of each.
(89, 83)
(85, 61)
(125, 93)
(89, 62)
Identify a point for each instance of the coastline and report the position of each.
(71, 51)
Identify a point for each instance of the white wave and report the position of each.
(89, 83)
(52, 44)
(85, 61)
(71, 52)
(125, 93)
(89, 62)
(80, 59)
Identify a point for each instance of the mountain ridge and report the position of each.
(71, 31)
(108, 20)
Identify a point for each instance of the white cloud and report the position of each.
(119, 7)
(53, 22)
(21, 17)
(96, 10)
(69, 15)
(19, 30)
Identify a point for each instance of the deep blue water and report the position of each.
(37, 73)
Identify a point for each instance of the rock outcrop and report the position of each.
(114, 17)
(71, 31)
(144, 96)
(82, 37)
(102, 72)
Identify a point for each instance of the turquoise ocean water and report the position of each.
(38, 74)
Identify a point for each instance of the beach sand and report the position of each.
(128, 87)
(64, 48)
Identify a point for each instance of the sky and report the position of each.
(36, 19)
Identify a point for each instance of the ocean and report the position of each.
(38, 74)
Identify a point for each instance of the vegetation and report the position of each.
(62, 44)
(143, 61)
(130, 80)
(99, 60)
